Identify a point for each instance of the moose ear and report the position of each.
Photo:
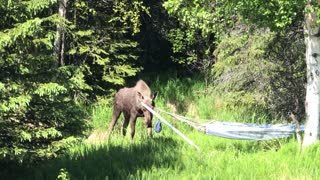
(140, 95)
(154, 95)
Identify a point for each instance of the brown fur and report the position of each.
(128, 101)
(143, 88)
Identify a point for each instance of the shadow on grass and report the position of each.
(105, 161)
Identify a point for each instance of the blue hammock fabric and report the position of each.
(158, 127)
(248, 131)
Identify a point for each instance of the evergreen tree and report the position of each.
(56, 55)
(102, 42)
(38, 112)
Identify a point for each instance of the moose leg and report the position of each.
(125, 123)
(149, 127)
(133, 125)
(115, 115)
(148, 122)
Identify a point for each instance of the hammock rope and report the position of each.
(195, 125)
(170, 126)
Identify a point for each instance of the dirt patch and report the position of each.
(97, 136)
(172, 107)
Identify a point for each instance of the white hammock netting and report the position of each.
(243, 131)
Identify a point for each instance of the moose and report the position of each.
(128, 101)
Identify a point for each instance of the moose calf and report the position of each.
(128, 101)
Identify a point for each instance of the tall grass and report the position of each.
(191, 98)
(167, 156)
(101, 115)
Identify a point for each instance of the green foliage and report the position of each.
(38, 108)
(105, 49)
(287, 86)
(130, 13)
(262, 71)
(251, 51)
(34, 6)
(242, 71)
(41, 101)
(50, 89)
(276, 14)
(63, 174)
(197, 14)
(240, 47)
(193, 40)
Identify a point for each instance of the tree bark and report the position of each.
(312, 40)
(60, 36)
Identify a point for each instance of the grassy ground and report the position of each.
(167, 156)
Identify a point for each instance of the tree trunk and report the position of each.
(313, 78)
(60, 37)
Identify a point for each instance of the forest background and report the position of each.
(60, 59)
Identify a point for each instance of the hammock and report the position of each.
(242, 131)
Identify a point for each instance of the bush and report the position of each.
(262, 71)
